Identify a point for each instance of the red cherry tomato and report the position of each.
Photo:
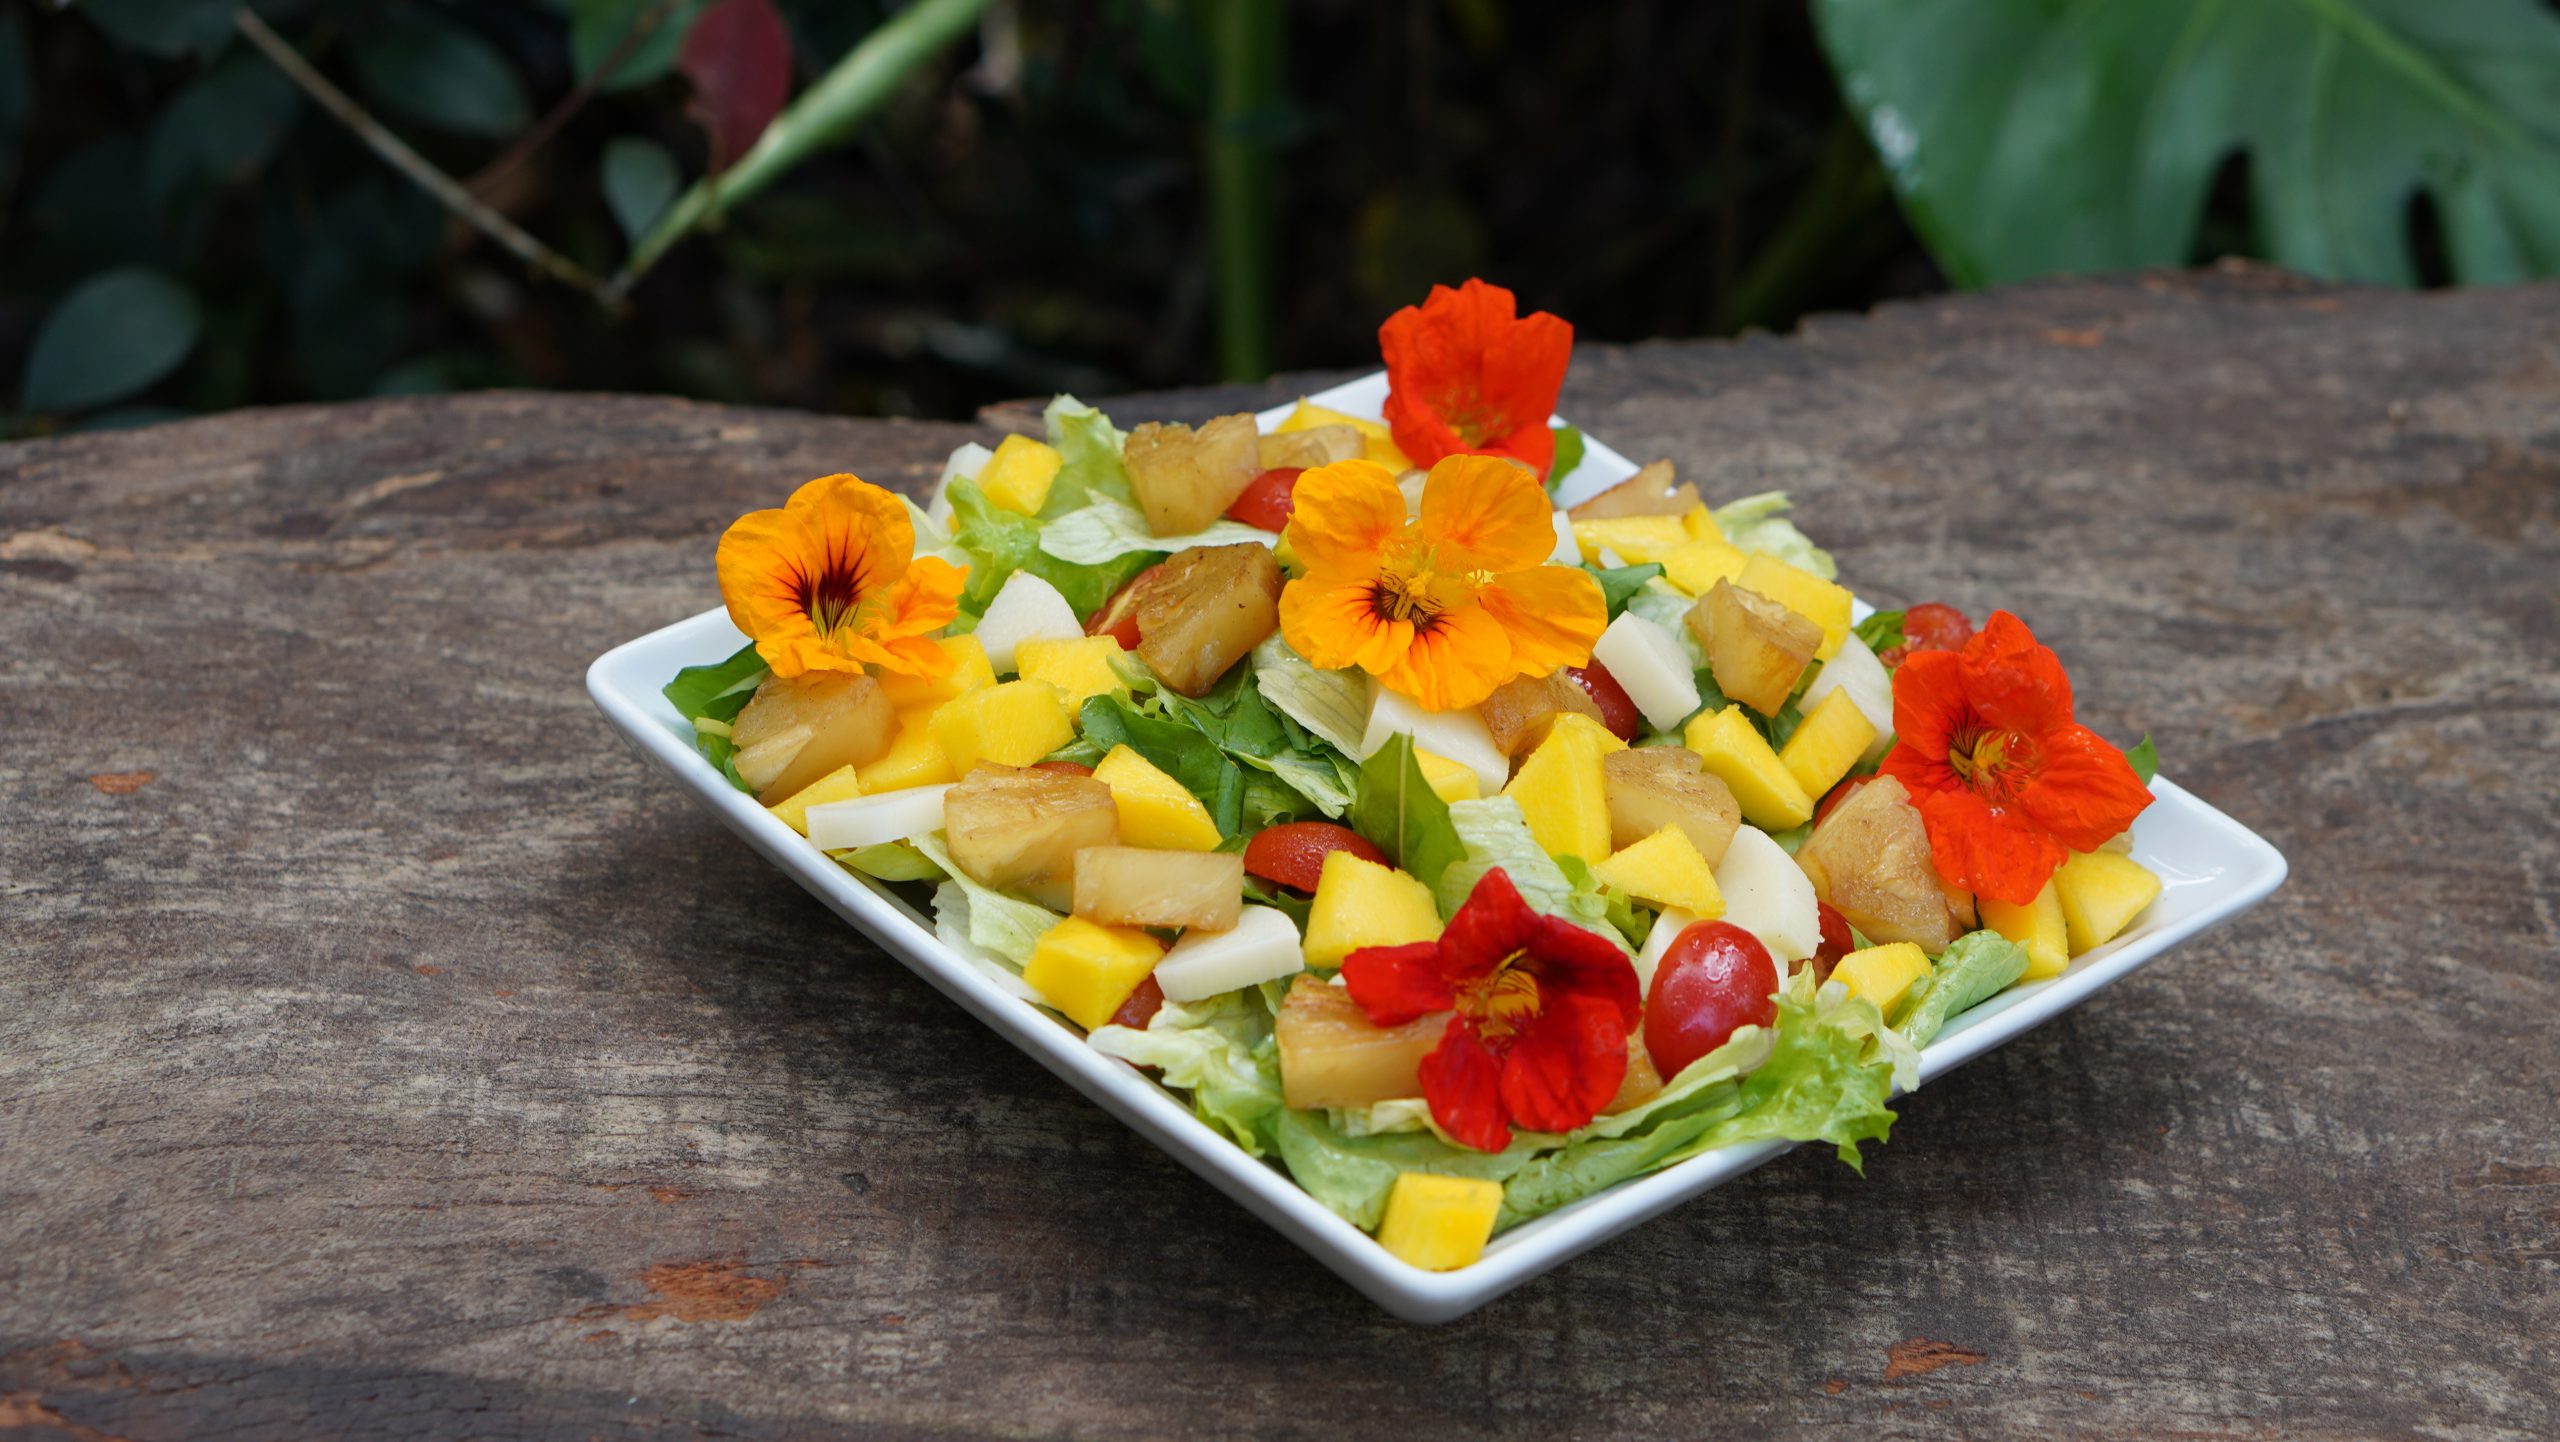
(1118, 617)
(1715, 979)
(1836, 942)
(1929, 627)
(1617, 711)
(1267, 502)
(1141, 1006)
(1831, 799)
(1063, 768)
(1293, 853)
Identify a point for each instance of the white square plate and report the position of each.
(2212, 868)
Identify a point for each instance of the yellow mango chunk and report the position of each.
(1156, 811)
(2101, 894)
(1801, 591)
(1738, 755)
(1701, 525)
(1081, 668)
(1834, 735)
(838, 785)
(1018, 476)
(1360, 903)
(1439, 1223)
(1378, 441)
(969, 672)
(2038, 926)
(1087, 971)
(1448, 780)
(1562, 791)
(1013, 724)
(916, 758)
(1636, 539)
(1882, 974)
(1666, 869)
(1697, 566)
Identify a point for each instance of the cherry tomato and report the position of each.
(1617, 711)
(1929, 627)
(1063, 768)
(1715, 979)
(1141, 1006)
(1293, 853)
(1836, 942)
(1118, 617)
(1267, 502)
(1831, 799)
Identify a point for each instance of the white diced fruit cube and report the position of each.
(1262, 946)
(1027, 609)
(968, 461)
(1768, 895)
(1568, 551)
(1651, 667)
(1458, 736)
(1854, 669)
(872, 820)
(1657, 944)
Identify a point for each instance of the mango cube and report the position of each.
(1448, 780)
(1804, 593)
(1080, 668)
(1087, 971)
(840, 784)
(969, 672)
(2102, 893)
(1697, 566)
(1834, 735)
(1666, 869)
(1636, 539)
(1018, 476)
(1882, 974)
(1156, 811)
(1737, 754)
(1562, 790)
(1700, 523)
(2038, 926)
(1439, 1223)
(1378, 442)
(1014, 724)
(915, 758)
(1360, 903)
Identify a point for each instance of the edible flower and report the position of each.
(1445, 607)
(1466, 372)
(831, 582)
(1543, 1010)
(2008, 784)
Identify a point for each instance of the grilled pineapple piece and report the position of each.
(1204, 610)
(1651, 787)
(1520, 712)
(1331, 1056)
(793, 732)
(1020, 828)
(1185, 478)
(1870, 859)
(1132, 886)
(1649, 492)
(1312, 447)
(1755, 646)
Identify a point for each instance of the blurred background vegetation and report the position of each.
(966, 201)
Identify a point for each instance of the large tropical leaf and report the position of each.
(2032, 136)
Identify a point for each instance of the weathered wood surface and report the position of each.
(383, 1050)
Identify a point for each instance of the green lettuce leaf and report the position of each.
(1979, 966)
(1619, 584)
(2144, 758)
(1759, 523)
(717, 693)
(1000, 542)
(1402, 816)
(889, 861)
(1352, 1175)
(1222, 1052)
(1882, 630)
(1107, 530)
(1000, 923)
(1089, 451)
(1334, 705)
(1667, 606)
(1569, 450)
(1493, 832)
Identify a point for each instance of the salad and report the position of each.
(1461, 853)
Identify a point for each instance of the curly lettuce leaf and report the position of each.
(999, 542)
(1002, 924)
(1977, 967)
(1759, 523)
(1089, 451)
(1107, 530)
(1352, 1175)
(1333, 705)
(1222, 1052)
(953, 924)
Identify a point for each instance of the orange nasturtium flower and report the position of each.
(1467, 373)
(1443, 608)
(2007, 782)
(831, 582)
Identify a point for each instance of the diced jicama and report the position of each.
(1766, 895)
(1459, 736)
(1135, 886)
(793, 732)
(1206, 608)
(875, 820)
(1652, 667)
(967, 461)
(1262, 946)
(1568, 551)
(1026, 609)
(1657, 944)
(1855, 670)
(1331, 1055)
(1022, 828)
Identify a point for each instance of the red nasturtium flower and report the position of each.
(1467, 373)
(2008, 784)
(1543, 1012)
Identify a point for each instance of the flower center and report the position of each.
(833, 599)
(1996, 764)
(1503, 1002)
(1411, 588)
(1463, 410)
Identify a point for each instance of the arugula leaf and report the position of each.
(2145, 759)
(1619, 584)
(1402, 816)
(1177, 750)
(1569, 449)
(1881, 631)
(1977, 967)
(717, 693)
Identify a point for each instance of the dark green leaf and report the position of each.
(166, 28)
(2145, 759)
(1265, 893)
(1402, 816)
(1617, 583)
(596, 28)
(433, 70)
(718, 692)
(1175, 749)
(17, 92)
(115, 335)
(639, 180)
(1001, 542)
(1569, 449)
(220, 130)
(1881, 631)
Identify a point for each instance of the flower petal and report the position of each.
(1494, 923)
(2084, 791)
(1395, 984)
(1467, 372)
(1331, 618)
(1580, 962)
(1463, 1082)
(1554, 615)
(1565, 1064)
(1928, 706)
(1480, 513)
(1454, 662)
(2011, 681)
(1343, 516)
(1986, 850)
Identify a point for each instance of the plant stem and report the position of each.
(1245, 40)
(642, 26)
(448, 192)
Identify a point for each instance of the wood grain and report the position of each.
(383, 1051)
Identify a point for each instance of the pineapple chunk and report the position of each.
(1739, 755)
(1439, 1223)
(1665, 869)
(1311, 447)
(1520, 711)
(1562, 791)
(1080, 669)
(1697, 566)
(916, 758)
(1766, 895)
(1649, 492)
(969, 672)
(1014, 724)
(1642, 1083)
(1019, 474)
(841, 784)
(2102, 893)
(1826, 604)
(1651, 666)
(1132, 886)
(793, 732)
(1447, 779)
(1155, 810)
(1360, 903)
(1020, 828)
(1088, 971)
(1651, 787)
(1378, 443)
(1262, 946)
(1207, 607)
(876, 819)
(1636, 539)
(2038, 926)
(1870, 859)
(1185, 478)
(1882, 974)
(1834, 735)
(1331, 1055)
(1755, 646)
(1026, 608)
(1458, 735)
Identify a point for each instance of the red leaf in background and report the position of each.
(738, 56)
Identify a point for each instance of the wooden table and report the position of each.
(383, 1050)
